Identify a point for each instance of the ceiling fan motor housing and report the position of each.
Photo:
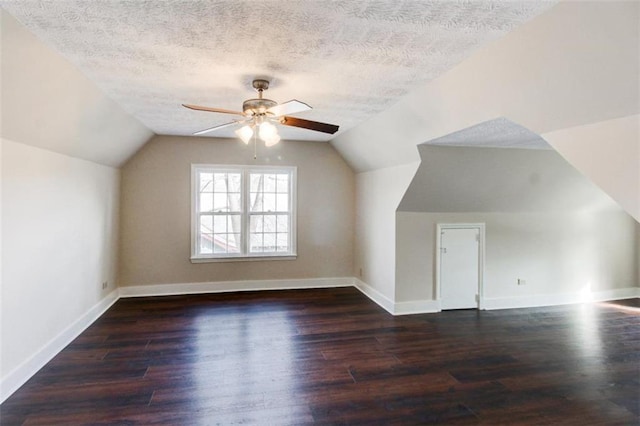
(253, 107)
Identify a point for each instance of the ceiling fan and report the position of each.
(260, 113)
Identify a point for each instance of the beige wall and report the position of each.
(59, 230)
(155, 213)
(378, 194)
(556, 253)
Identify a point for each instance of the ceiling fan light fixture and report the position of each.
(272, 140)
(267, 131)
(245, 133)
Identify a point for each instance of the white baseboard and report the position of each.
(230, 286)
(402, 308)
(537, 300)
(416, 307)
(23, 372)
(373, 294)
(396, 308)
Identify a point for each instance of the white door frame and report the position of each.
(481, 235)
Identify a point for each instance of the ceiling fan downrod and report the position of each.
(259, 105)
(260, 85)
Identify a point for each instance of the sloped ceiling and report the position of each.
(348, 59)
(473, 179)
(47, 103)
(577, 64)
(498, 133)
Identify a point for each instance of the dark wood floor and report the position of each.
(333, 357)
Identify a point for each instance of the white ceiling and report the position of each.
(497, 133)
(347, 59)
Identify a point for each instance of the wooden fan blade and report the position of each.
(209, 109)
(290, 107)
(308, 124)
(218, 127)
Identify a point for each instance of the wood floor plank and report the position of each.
(331, 356)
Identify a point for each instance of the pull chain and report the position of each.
(255, 145)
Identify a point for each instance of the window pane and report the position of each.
(269, 183)
(256, 201)
(220, 224)
(255, 243)
(269, 223)
(235, 182)
(256, 223)
(269, 202)
(220, 182)
(256, 182)
(269, 242)
(206, 224)
(235, 202)
(234, 222)
(283, 242)
(283, 184)
(283, 223)
(206, 202)
(282, 202)
(219, 243)
(234, 243)
(206, 182)
(220, 202)
(206, 246)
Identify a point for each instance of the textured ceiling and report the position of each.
(347, 59)
(498, 133)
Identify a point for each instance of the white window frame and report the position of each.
(244, 254)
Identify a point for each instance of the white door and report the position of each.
(459, 267)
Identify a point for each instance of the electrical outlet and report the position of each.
(360, 272)
(105, 284)
(522, 281)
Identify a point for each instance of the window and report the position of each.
(242, 212)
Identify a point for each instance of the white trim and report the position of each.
(23, 372)
(401, 308)
(240, 258)
(231, 286)
(416, 307)
(481, 248)
(245, 213)
(373, 294)
(539, 300)
(396, 308)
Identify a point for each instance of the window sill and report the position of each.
(242, 258)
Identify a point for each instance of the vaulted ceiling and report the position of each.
(350, 60)
(95, 80)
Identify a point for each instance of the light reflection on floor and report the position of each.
(255, 367)
(588, 331)
(628, 306)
